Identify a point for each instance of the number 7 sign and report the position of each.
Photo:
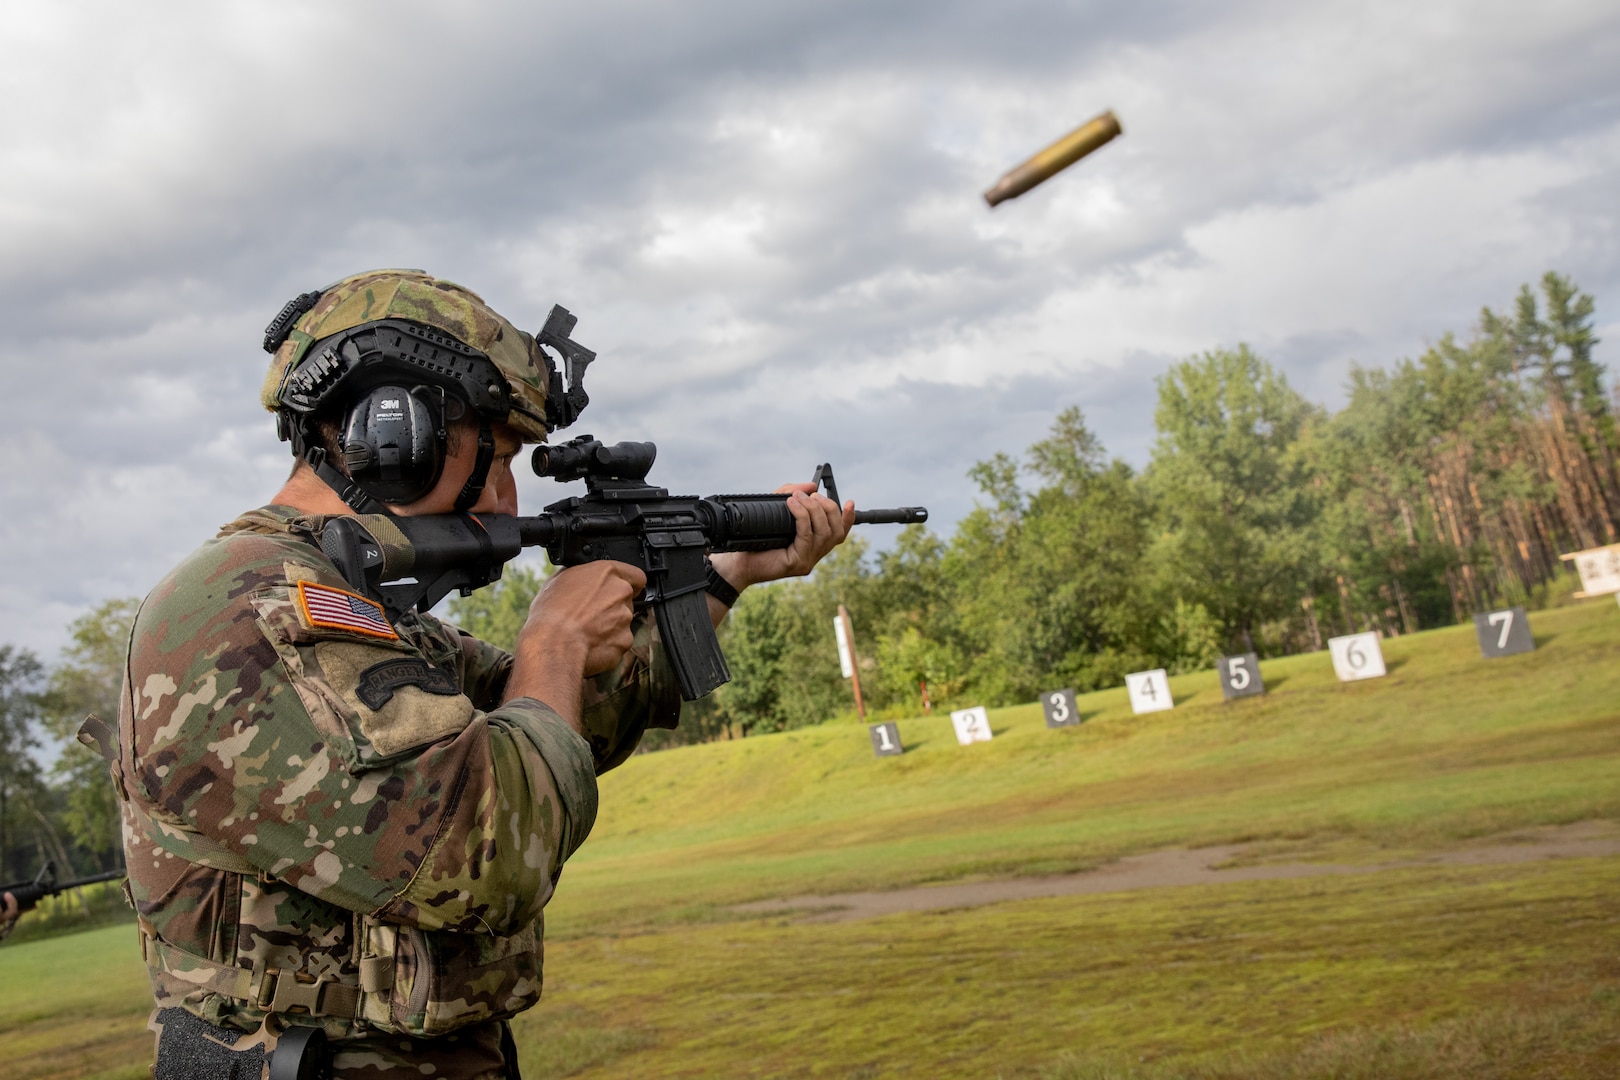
(1503, 633)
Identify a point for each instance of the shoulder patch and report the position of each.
(376, 684)
(322, 605)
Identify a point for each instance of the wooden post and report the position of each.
(854, 664)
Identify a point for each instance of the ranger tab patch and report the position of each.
(379, 681)
(340, 610)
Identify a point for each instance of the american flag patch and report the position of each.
(325, 606)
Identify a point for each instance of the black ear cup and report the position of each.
(394, 442)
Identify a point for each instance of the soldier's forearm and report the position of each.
(549, 668)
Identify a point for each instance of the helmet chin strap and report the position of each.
(350, 492)
(474, 486)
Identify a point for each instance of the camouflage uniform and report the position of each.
(344, 828)
(296, 845)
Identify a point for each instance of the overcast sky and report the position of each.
(767, 218)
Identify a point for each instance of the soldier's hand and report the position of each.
(8, 914)
(822, 526)
(584, 611)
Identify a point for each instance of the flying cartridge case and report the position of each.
(1055, 158)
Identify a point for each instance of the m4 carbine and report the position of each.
(414, 562)
(29, 893)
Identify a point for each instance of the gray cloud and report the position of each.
(766, 217)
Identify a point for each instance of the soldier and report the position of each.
(341, 829)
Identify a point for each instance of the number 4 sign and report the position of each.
(1149, 691)
(1240, 676)
(1504, 633)
(972, 725)
(1357, 656)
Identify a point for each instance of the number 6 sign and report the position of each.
(1357, 656)
(1240, 676)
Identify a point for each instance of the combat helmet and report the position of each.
(400, 354)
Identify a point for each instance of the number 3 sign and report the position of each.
(1357, 656)
(1060, 707)
(1240, 676)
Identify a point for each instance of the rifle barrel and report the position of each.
(899, 515)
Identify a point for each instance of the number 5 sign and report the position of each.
(1357, 656)
(1240, 676)
(1503, 633)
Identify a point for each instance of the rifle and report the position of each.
(414, 562)
(30, 893)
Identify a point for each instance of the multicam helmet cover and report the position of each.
(420, 298)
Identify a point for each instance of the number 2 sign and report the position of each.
(1240, 676)
(1357, 656)
(1504, 633)
(972, 725)
(1149, 691)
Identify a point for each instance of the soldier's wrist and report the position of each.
(734, 567)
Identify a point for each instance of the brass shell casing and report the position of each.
(1055, 158)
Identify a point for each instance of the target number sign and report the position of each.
(1599, 569)
(1357, 656)
(886, 739)
(1240, 676)
(972, 725)
(1060, 707)
(1504, 633)
(1149, 691)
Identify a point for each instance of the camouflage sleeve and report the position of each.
(484, 669)
(336, 760)
(620, 704)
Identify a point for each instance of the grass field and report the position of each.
(1429, 971)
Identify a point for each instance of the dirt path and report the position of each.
(1198, 866)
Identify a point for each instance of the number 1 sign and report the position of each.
(1149, 691)
(972, 725)
(1503, 633)
(886, 739)
(1357, 656)
(1240, 676)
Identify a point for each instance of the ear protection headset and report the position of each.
(401, 385)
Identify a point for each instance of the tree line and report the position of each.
(1446, 485)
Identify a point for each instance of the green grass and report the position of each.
(1488, 971)
(1168, 980)
(1446, 748)
(75, 1006)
